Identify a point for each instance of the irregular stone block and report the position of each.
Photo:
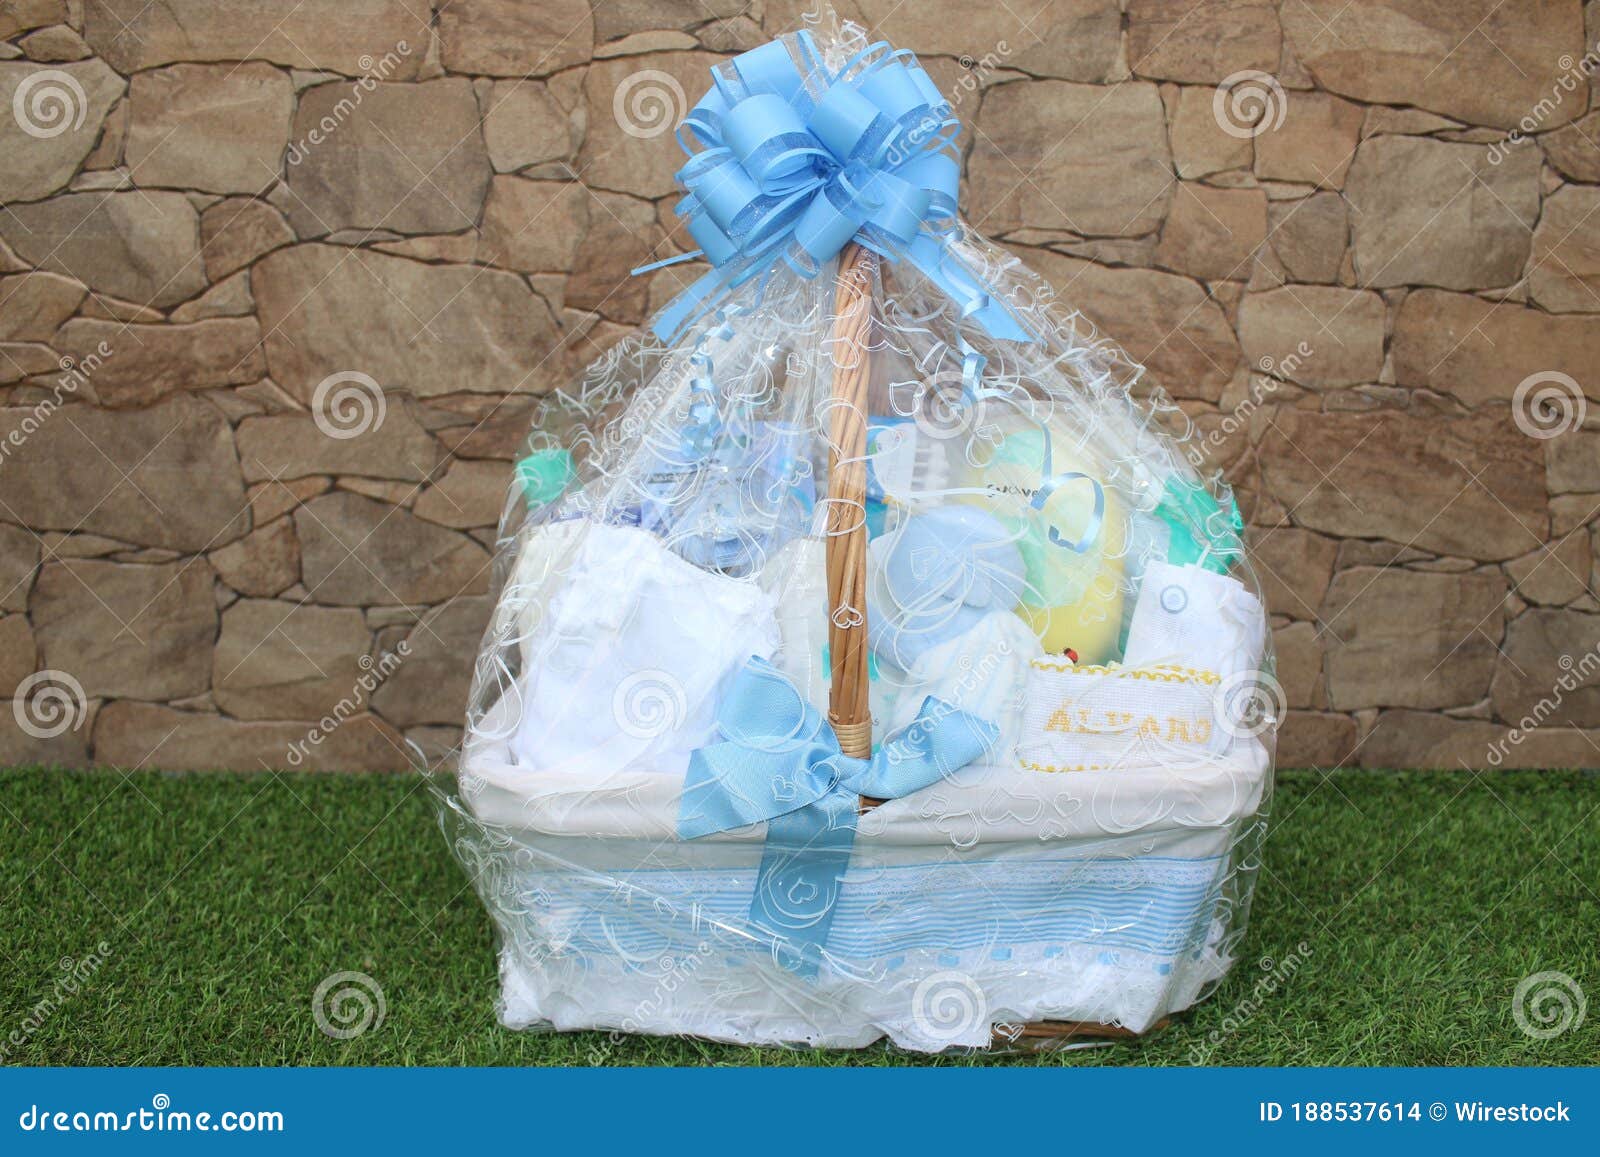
(1298, 651)
(221, 128)
(1166, 322)
(1200, 144)
(634, 105)
(511, 38)
(33, 305)
(1460, 486)
(1310, 236)
(1549, 674)
(165, 476)
(1427, 741)
(356, 552)
(1429, 212)
(234, 232)
(1294, 566)
(1564, 274)
(431, 685)
(19, 559)
(470, 494)
(145, 735)
(430, 329)
(1556, 573)
(141, 246)
(418, 150)
(1401, 638)
(1109, 174)
(1572, 462)
(1315, 143)
(148, 362)
(279, 660)
(49, 124)
(264, 562)
(523, 124)
(294, 445)
(1479, 351)
(1316, 335)
(127, 631)
(354, 37)
(1476, 60)
(1213, 234)
(18, 656)
(1202, 41)
(535, 226)
(1316, 739)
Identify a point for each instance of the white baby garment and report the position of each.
(1188, 616)
(625, 664)
(983, 671)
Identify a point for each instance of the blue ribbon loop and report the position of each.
(780, 762)
(789, 161)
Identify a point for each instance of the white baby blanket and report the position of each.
(622, 668)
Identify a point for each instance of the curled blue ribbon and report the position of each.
(789, 161)
(780, 762)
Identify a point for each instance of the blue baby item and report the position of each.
(732, 508)
(940, 572)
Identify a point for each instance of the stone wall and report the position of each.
(1357, 239)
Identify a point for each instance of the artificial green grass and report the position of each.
(225, 899)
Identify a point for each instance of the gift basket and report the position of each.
(866, 663)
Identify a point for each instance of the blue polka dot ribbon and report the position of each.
(778, 761)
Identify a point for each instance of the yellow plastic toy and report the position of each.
(1072, 598)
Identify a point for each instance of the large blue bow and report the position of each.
(780, 762)
(790, 161)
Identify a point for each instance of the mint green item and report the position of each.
(1186, 508)
(544, 475)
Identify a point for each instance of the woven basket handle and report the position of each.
(848, 707)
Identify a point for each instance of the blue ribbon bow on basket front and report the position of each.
(780, 762)
(789, 161)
